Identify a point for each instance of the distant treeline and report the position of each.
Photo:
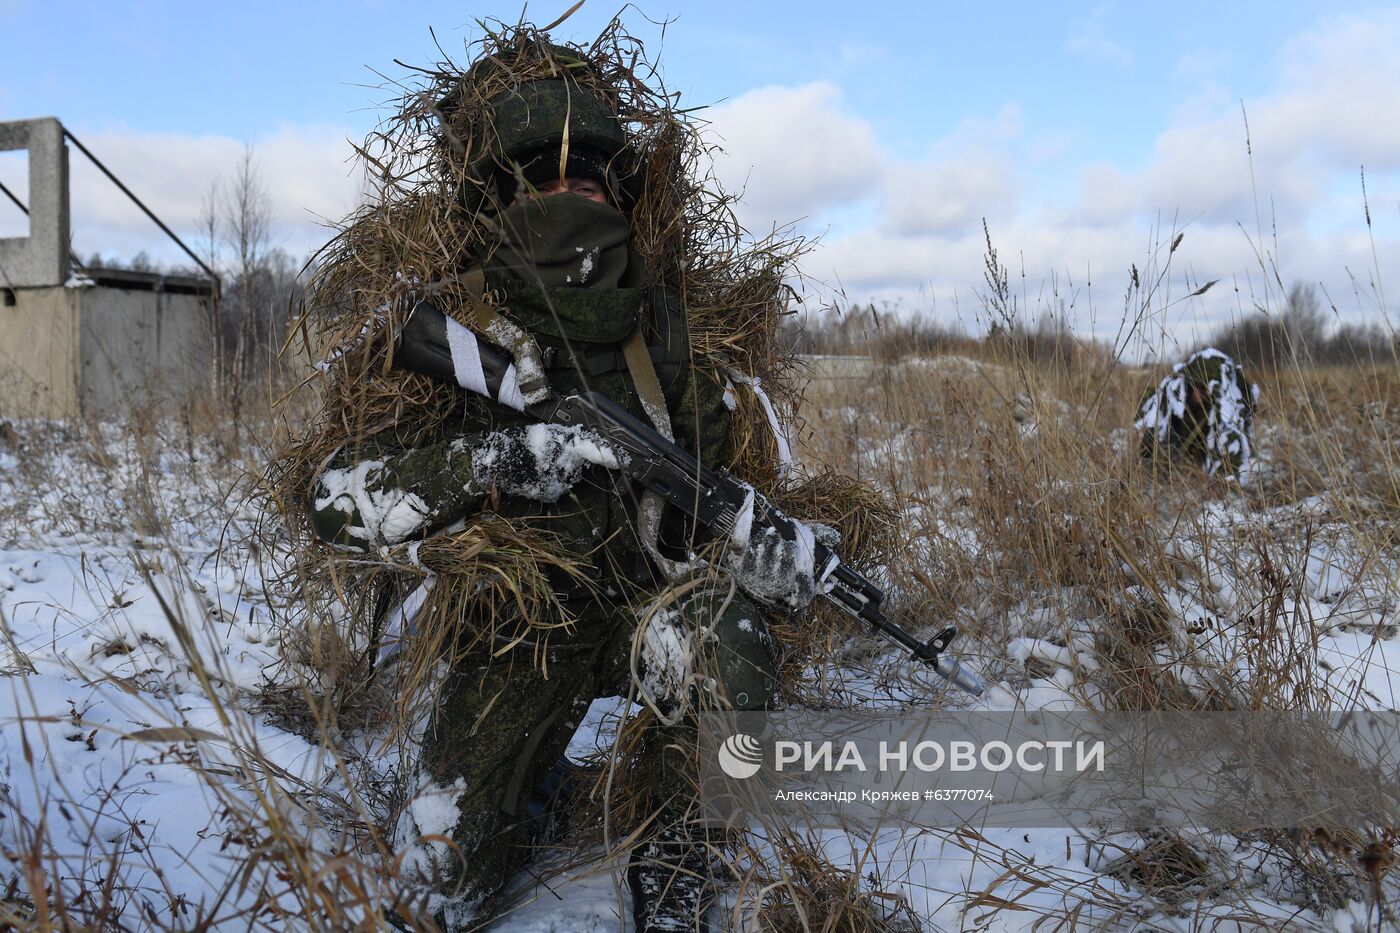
(862, 330)
(1299, 334)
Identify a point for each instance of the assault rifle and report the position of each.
(436, 346)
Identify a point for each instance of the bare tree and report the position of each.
(248, 211)
(247, 308)
(210, 229)
(1303, 323)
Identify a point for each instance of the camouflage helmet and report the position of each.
(528, 124)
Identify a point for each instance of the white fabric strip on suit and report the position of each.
(779, 435)
(399, 626)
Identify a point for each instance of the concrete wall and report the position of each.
(41, 258)
(142, 347)
(39, 353)
(125, 338)
(97, 351)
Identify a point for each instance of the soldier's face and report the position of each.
(583, 187)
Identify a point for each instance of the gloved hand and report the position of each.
(778, 565)
(540, 461)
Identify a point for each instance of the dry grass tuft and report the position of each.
(809, 894)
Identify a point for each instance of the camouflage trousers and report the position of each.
(503, 721)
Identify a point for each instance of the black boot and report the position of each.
(669, 875)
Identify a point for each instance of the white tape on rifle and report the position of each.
(466, 367)
(510, 390)
(825, 581)
(466, 358)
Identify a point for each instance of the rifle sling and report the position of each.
(648, 385)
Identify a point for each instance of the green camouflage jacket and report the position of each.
(379, 492)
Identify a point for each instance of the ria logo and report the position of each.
(741, 756)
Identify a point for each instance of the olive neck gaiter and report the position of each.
(565, 241)
(568, 270)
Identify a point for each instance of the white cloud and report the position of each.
(947, 196)
(1204, 171)
(1201, 64)
(1000, 128)
(304, 171)
(794, 151)
(1341, 46)
(1334, 105)
(1341, 93)
(1106, 195)
(859, 54)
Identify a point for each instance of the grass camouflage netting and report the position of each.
(419, 225)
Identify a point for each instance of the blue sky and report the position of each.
(890, 129)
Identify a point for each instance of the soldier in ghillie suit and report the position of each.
(1202, 413)
(554, 221)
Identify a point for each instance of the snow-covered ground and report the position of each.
(138, 769)
(138, 633)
